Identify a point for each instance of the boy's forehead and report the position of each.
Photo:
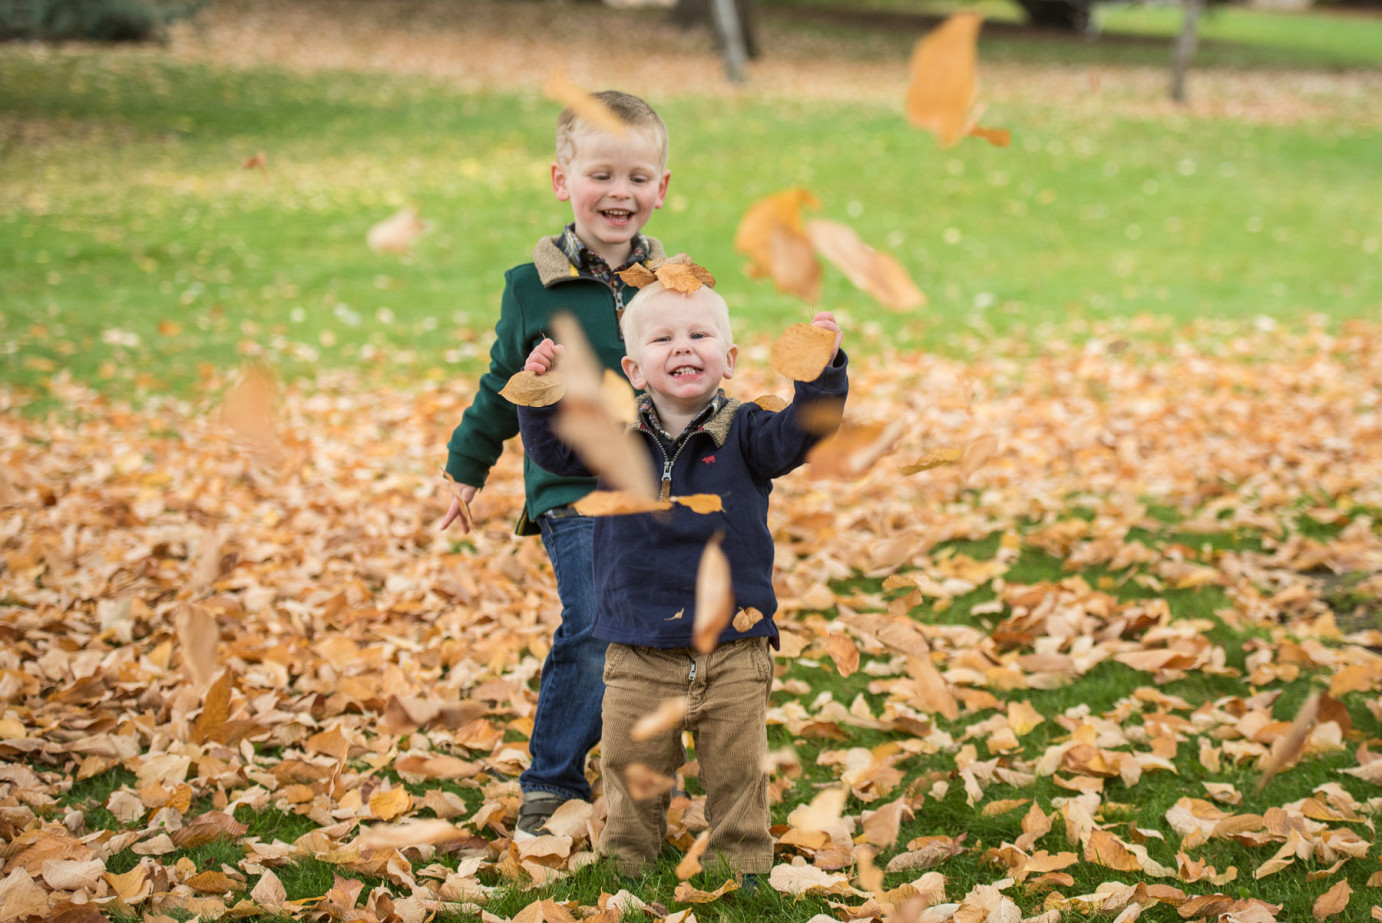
(592, 140)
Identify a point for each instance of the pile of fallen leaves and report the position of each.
(246, 604)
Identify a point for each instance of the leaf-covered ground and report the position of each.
(236, 644)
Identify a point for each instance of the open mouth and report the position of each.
(685, 371)
(617, 215)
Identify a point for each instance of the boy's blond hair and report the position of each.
(628, 323)
(629, 109)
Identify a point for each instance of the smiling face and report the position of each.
(679, 349)
(613, 184)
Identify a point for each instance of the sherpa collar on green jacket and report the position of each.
(553, 266)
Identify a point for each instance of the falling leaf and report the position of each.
(934, 459)
(843, 652)
(770, 402)
(803, 351)
(746, 618)
(431, 831)
(643, 782)
(397, 233)
(822, 813)
(1289, 745)
(529, 389)
(667, 717)
(587, 107)
(854, 449)
(701, 503)
(199, 638)
(690, 863)
(943, 92)
(873, 272)
(249, 411)
(771, 234)
(257, 161)
(976, 454)
(714, 597)
(618, 503)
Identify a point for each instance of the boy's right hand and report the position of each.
(461, 494)
(543, 357)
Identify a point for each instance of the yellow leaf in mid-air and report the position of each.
(529, 389)
(586, 106)
(397, 233)
(976, 454)
(714, 597)
(1290, 745)
(876, 273)
(802, 352)
(771, 234)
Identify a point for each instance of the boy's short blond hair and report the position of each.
(629, 109)
(628, 323)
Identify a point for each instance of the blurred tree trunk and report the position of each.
(1185, 48)
(689, 13)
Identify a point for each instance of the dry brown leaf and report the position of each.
(714, 597)
(771, 402)
(587, 107)
(198, 638)
(431, 831)
(390, 803)
(257, 161)
(803, 351)
(529, 389)
(746, 618)
(396, 233)
(667, 717)
(876, 273)
(250, 412)
(1332, 902)
(854, 449)
(689, 894)
(822, 813)
(976, 455)
(679, 274)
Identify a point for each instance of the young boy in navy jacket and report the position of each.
(698, 441)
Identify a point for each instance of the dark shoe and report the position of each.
(534, 813)
(749, 885)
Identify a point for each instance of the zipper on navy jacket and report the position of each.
(667, 463)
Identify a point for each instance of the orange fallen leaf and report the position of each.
(431, 831)
(746, 618)
(843, 652)
(822, 813)
(1332, 902)
(391, 803)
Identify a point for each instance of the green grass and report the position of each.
(138, 256)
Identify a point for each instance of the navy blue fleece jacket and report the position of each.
(646, 563)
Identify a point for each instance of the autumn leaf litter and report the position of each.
(269, 619)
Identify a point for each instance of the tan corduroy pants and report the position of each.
(727, 696)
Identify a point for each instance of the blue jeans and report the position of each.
(567, 723)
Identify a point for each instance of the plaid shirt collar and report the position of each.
(591, 265)
(647, 414)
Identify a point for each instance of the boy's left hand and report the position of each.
(826, 320)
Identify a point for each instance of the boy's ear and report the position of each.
(563, 193)
(633, 372)
(662, 188)
(731, 357)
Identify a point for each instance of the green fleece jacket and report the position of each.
(532, 293)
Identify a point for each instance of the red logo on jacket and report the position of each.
(709, 460)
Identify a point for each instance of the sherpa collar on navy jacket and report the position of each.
(646, 563)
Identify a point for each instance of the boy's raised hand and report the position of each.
(826, 320)
(543, 357)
